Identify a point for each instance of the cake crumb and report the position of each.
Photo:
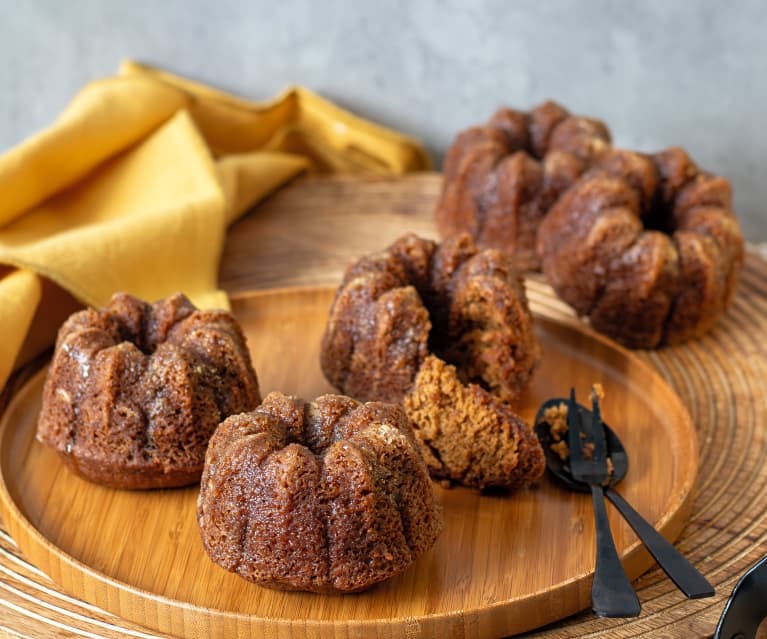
(561, 449)
(556, 418)
(598, 390)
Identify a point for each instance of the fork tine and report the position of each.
(574, 433)
(598, 431)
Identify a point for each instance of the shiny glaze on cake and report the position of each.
(500, 179)
(646, 246)
(325, 496)
(135, 390)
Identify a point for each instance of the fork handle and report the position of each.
(611, 593)
(691, 582)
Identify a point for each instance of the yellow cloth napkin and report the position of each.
(132, 187)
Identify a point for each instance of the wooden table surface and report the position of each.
(719, 378)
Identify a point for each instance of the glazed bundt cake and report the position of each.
(500, 179)
(135, 391)
(415, 299)
(326, 496)
(646, 246)
(466, 305)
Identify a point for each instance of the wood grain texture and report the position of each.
(502, 565)
(720, 379)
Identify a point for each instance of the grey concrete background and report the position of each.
(659, 72)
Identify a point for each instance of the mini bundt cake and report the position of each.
(463, 305)
(135, 391)
(325, 496)
(500, 179)
(646, 246)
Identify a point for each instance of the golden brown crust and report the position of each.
(378, 330)
(543, 120)
(515, 125)
(646, 246)
(509, 210)
(135, 391)
(501, 179)
(635, 168)
(592, 224)
(388, 315)
(585, 138)
(675, 169)
(637, 307)
(326, 496)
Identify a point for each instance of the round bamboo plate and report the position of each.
(503, 564)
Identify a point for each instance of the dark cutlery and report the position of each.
(689, 580)
(611, 592)
(746, 608)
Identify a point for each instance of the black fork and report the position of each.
(611, 593)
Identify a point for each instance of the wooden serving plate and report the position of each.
(504, 564)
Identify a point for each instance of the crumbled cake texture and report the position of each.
(135, 390)
(561, 449)
(400, 311)
(468, 436)
(644, 245)
(597, 391)
(501, 178)
(326, 496)
(556, 419)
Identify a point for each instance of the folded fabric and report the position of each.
(132, 187)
